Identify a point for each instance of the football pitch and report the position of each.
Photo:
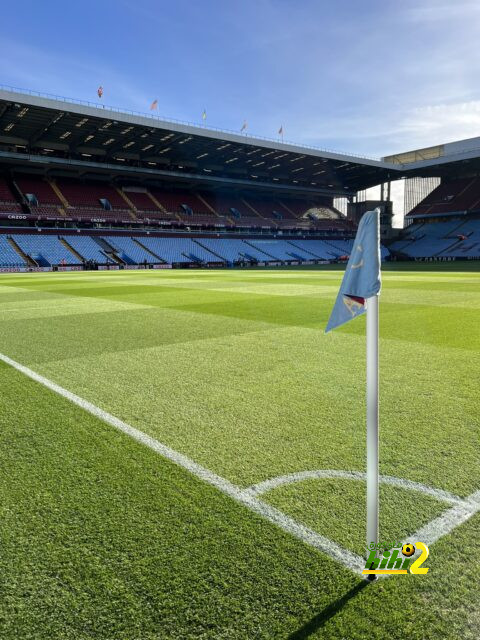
(182, 455)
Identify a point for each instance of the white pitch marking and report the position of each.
(445, 523)
(244, 496)
(462, 510)
(448, 520)
(326, 474)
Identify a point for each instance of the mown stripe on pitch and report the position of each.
(349, 559)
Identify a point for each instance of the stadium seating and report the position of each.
(8, 204)
(87, 247)
(430, 239)
(281, 250)
(316, 249)
(88, 201)
(9, 258)
(130, 251)
(456, 195)
(46, 250)
(469, 247)
(172, 202)
(223, 205)
(141, 200)
(49, 204)
(145, 206)
(233, 250)
(341, 247)
(178, 250)
(85, 201)
(294, 208)
(49, 249)
(265, 208)
(249, 222)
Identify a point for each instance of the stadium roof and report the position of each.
(55, 134)
(68, 137)
(452, 158)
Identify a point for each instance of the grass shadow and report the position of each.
(324, 616)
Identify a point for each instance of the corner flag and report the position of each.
(359, 292)
(361, 279)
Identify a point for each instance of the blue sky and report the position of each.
(370, 77)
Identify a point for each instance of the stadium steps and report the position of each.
(30, 261)
(71, 249)
(261, 251)
(474, 205)
(467, 187)
(287, 209)
(412, 240)
(162, 208)
(217, 255)
(407, 244)
(60, 195)
(15, 189)
(257, 213)
(450, 247)
(314, 255)
(461, 223)
(209, 207)
(109, 251)
(156, 202)
(192, 257)
(132, 207)
(332, 245)
(160, 259)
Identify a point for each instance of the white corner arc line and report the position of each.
(244, 496)
(329, 474)
(445, 523)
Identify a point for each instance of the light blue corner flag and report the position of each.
(361, 279)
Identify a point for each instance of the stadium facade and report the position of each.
(82, 185)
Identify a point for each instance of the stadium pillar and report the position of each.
(372, 421)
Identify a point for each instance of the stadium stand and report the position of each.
(265, 209)
(233, 250)
(281, 250)
(316, 249)
(228, 206)
(7, 199)
(178, 250)
(99, 202)
(73, 249)
(172, 202)
(464, 240)
(87, 248)
(9, 258)
(451, 196)
(42, 198)
(46, 250)
(429, 239)
(91, 200)
(294, 208)
(142, 201)
(130, 250)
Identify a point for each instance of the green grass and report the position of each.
(103, 539)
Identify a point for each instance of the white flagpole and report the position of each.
(372, 421)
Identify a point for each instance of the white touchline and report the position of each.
(350, 560)
(462, 510)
